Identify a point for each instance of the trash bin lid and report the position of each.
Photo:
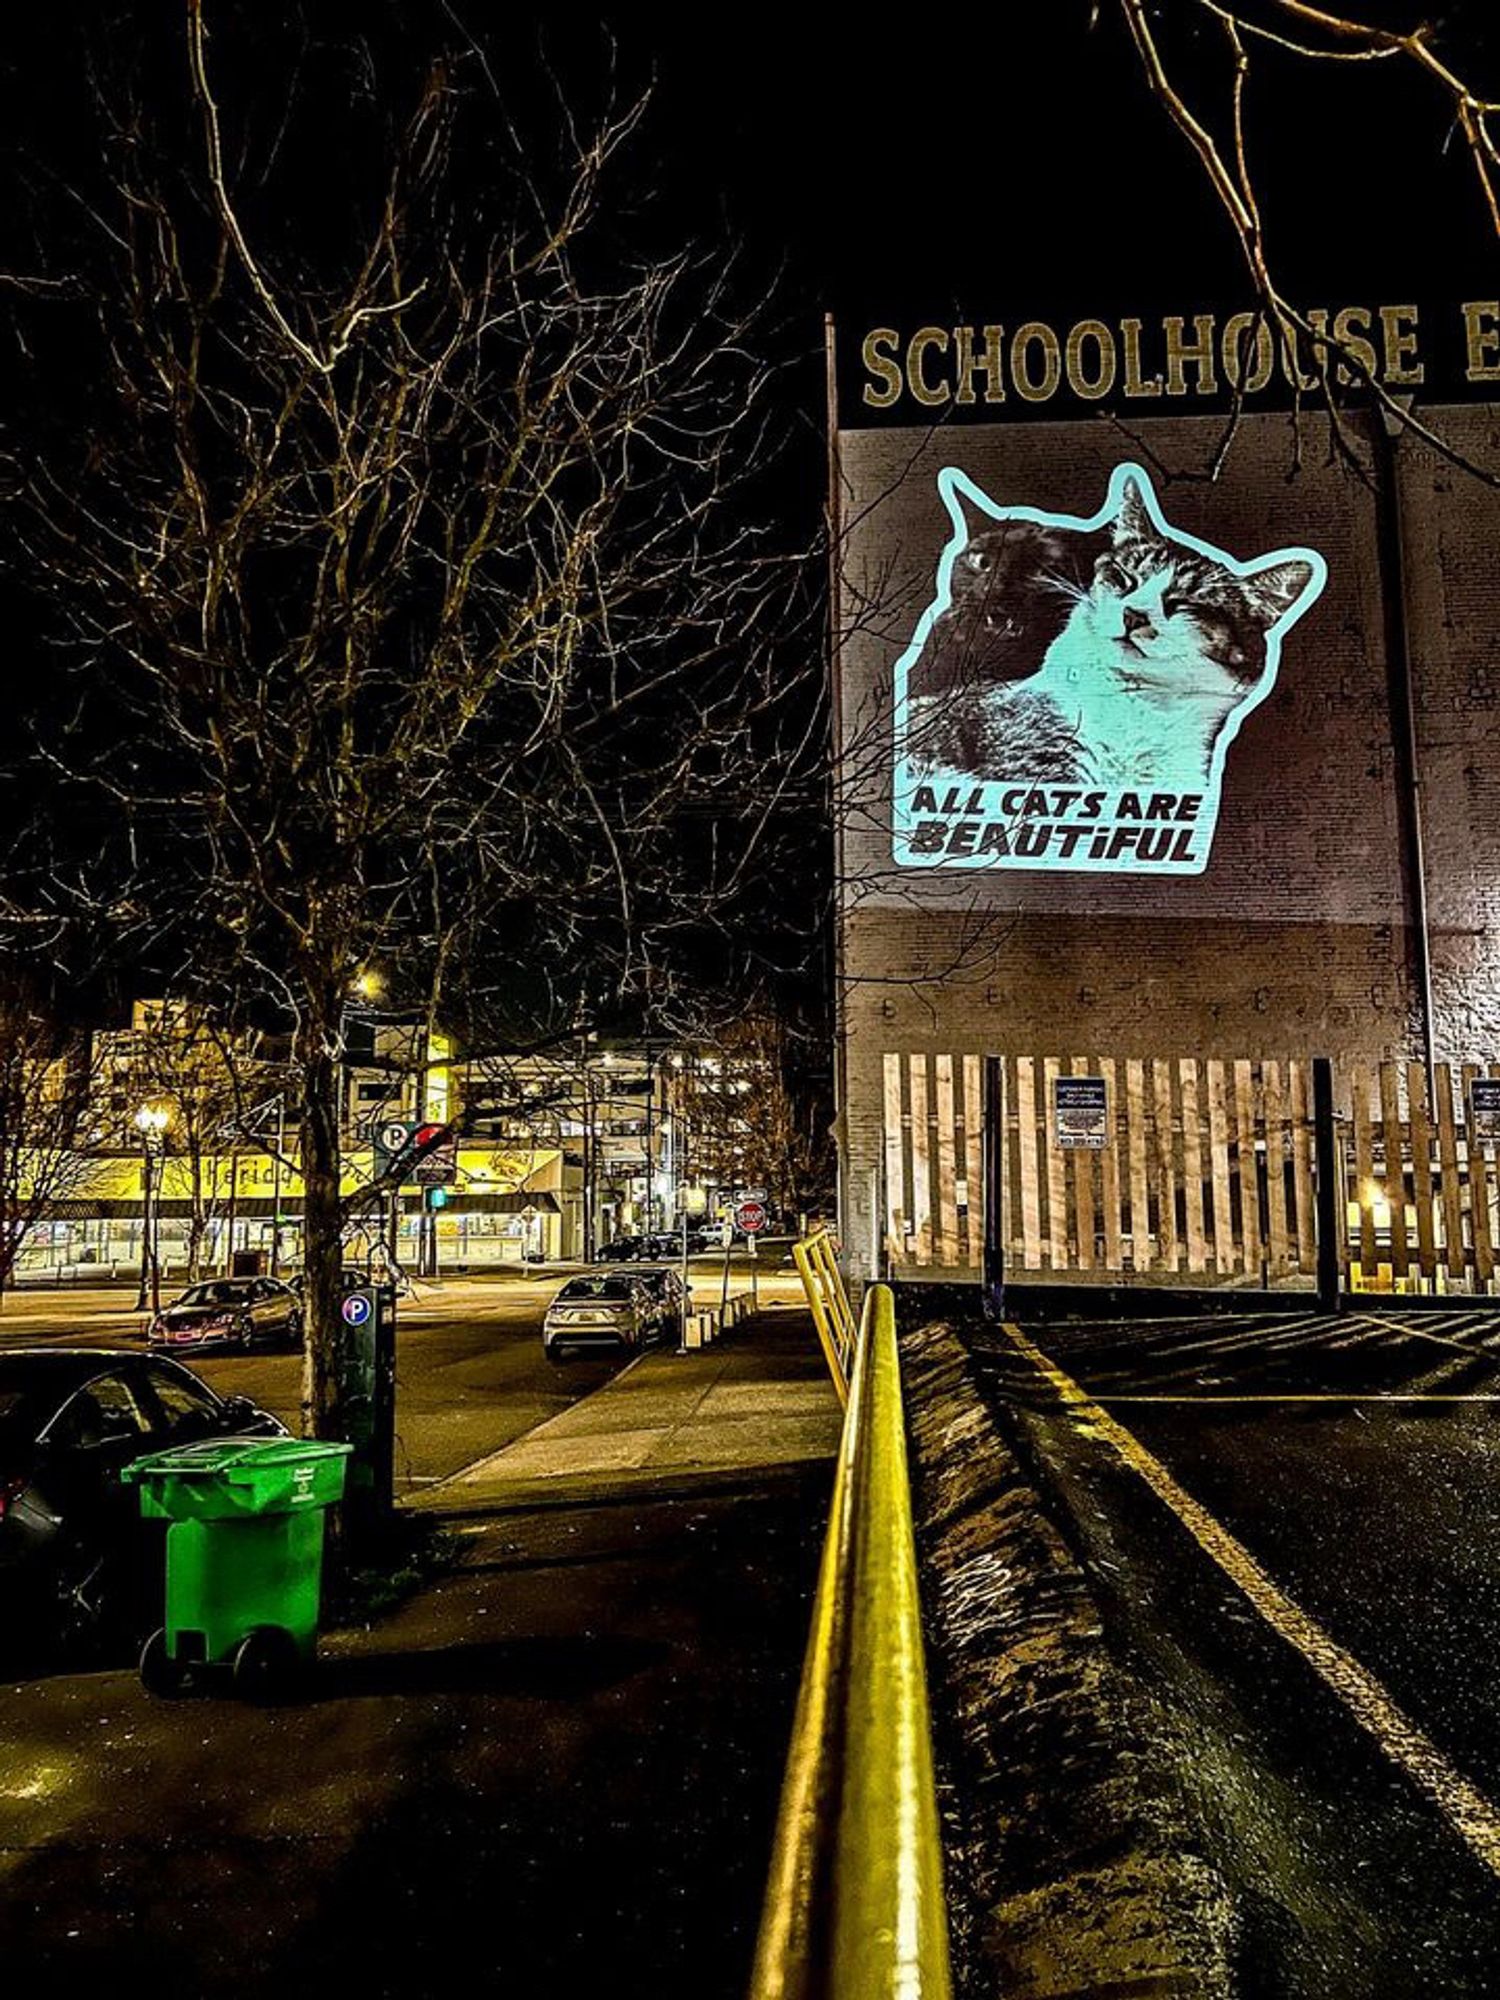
(221, 1479)
(222, 1458)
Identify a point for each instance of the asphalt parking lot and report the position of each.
(1293, 1523)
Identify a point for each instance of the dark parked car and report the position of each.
(75, 1558)
(621, 1250)
(663, 1289)
(633, 1248)
(230, 1312)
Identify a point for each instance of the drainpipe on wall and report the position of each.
(1390, 529)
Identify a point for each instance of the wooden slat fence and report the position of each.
(1423, 1195)
(1206, 1176)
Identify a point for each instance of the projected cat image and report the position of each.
(1071, 694)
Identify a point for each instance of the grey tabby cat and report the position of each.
(1108, 657)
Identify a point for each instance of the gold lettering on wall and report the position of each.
(1482, 340)
(1036, 389)
(1135, 384)
(886, 388)
(990, 363)
(1350, 326)
(1402, 369)
(1235, 329)
(930, 395)
(1197, 352)
(1093, 377)
(1181, 356)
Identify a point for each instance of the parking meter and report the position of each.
(367, 1375)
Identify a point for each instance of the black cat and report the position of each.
(1014, 587)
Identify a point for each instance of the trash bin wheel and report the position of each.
(265, 1664)
(160, 1673)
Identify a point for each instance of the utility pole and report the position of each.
(276, 1186)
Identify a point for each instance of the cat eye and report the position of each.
(977, 559)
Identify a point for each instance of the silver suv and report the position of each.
(598, 1309)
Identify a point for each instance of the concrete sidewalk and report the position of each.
(759, 1399)
(554, 1770)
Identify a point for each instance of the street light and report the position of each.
(151, 1121)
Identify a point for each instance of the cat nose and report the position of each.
(1135, 619)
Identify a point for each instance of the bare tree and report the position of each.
(1180, 72)
(209, 1082)
(46, 1093)
(754, 1118)
(411, 557)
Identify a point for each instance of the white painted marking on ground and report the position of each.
(1319, 1396)
(1462, 1804)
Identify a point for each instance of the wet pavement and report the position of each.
(1293, 1527)
(553, 1771)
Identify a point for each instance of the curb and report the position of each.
(1073, 1865)
(643, 1483)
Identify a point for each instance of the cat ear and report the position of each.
(1133, 520)
(1275, 590)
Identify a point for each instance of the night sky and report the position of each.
(978, 163)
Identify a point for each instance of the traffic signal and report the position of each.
(437, 1197)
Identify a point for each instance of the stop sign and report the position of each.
(750, 1217)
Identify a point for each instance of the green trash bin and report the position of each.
(244, 1556)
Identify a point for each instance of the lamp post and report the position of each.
(151, 1121)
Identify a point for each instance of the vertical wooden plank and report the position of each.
(973, 1099)
(1419, 1116)
(1364, 1169)
(1109, 1170)
(1141, 1246)
(896, 1210)
(1015, 1237)
(1031, 1194)
(1276, 1125)
(1163, 1164)
(1393, 1141)
(1453, 1221)
(1303, 1205)
(1479, 1190)
(1244, 1131)
(921, 1165)
(1218, 1154)
(945, 1161)
(1084, 1189)
(1057, 1186)
(1192, 1165)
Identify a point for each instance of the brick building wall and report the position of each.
(1296, 939)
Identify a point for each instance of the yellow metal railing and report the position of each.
(854, 1907)
(827, 1295)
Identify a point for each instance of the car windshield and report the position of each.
(596, 1288)
(220, 1292)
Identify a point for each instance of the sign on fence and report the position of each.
(1484, 1109)
(1080, 1112)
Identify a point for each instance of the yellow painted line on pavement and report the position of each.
(1466, 1809)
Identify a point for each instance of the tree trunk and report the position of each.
(322, 1226)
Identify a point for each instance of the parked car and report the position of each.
(663, 1288)
(598, 1309)
(76, 1560)
(622, 1250)
(230, 1312)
